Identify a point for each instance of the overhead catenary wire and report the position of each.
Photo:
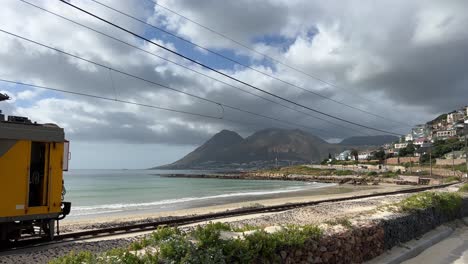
(246, 46)
(188, 68)
(109, 99)
(137, 104)
(245, 65)
(221, 105)
(224, 74)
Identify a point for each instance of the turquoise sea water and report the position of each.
(107, 192)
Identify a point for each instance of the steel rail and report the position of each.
(184, 220)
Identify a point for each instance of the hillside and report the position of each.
(368, 140)
(267, 145)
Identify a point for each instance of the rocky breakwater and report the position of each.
(350, 179)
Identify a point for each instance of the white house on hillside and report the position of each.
(455, 116)
(365, 155)
(345, 155)
(409, 137)
(444, 134)
(401, 145)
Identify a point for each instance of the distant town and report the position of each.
(442, 139)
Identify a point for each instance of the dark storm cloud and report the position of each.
(392, 54)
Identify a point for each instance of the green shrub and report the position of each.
(175, 249)
(244, 228)
(447, 202)
(76, 258)
(164, 233)
(372, 173)
(463, 188)
(137, 245)
(389, 174)
(118, 256)
(345, 222)
(208, 236)
(343, 172)
(204, 245)
(294, 235)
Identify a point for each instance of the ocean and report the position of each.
(98, 193)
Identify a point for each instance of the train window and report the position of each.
(37, 174)
(66, 155)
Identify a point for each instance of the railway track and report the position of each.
(134, 228)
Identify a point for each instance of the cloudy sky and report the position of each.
(399, 62)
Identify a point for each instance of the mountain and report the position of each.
(215, 147)
(227, 147)
(438, 119)
(369, 140)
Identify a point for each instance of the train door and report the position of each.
(38, 175)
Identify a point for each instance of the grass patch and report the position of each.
(343, 172)
(451, 179)
(244, 228)
(463, 188)
(389, 174)
(447, 202)
(345, 222)
(204, 245)
(111, 256)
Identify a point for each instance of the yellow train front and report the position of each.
(32, 160)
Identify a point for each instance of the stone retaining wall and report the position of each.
(350, 246)
(401, 160)
(450, 162)
(366, 242)
(439, 171)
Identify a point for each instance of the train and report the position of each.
(32, 160)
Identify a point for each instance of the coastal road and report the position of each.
(453, 249)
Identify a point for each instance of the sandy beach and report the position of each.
(337, 191)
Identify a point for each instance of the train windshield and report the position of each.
(66, 155)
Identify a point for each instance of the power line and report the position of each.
(109, 99)
(133, 103)
(221, 105)
(243, 64)
(224, 74)
(261, 53)
(185, 67)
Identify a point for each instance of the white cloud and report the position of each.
(385, 52)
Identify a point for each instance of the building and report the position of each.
(420, 141)
(366, 155)
(345, 155)
(455, 116)
(388, 146)
(426, 145)
(444, 134)
(400, 145)
(420, 131)
(409, 137)
(455, 155)
(422, 151)
(390, 151)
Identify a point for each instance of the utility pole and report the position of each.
(453, 162)
(430, 159)
(466, 147)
